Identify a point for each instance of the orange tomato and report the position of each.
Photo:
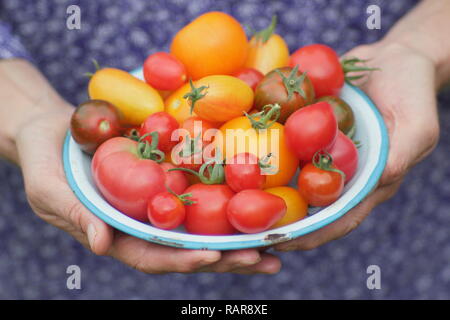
(177, 106)
(243, 138)
(214, 43)
(297, 207)
(133, 97)
(221, 98)
(267, 50)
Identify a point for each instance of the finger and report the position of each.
(153, 258)
(342, 226)
(269, 264)
(46, 186)
(234, 259)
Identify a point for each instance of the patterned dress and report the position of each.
(408, 237)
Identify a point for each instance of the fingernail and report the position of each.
(91, 234)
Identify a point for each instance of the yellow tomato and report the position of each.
(297, 207)
(214, 43)
(134, 98)
(221, 98)
(177, 106)
(267, 51)
(239, 136)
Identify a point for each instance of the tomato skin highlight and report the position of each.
(323, 67)
(164, 124)
(250, 76)
(271, 90)
(319, 187)
(166, 211)
(243, 172)
(93, 122)
(163, 71)
(208, 215)
(213, 43)
(311, 129)
(134, 98)
(345, 155)
(254, 210)
(125, 180)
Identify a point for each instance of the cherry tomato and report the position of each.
(214, 43)
(164, 124)
(297, 207)
(188, 153)
(176, 181)
(319, 182)
(135, 99)
(177, 106)
(253, 210)
(250, 76)
(243, 171)
(196, 125)
(311, 129)
(345, 155)
(208, 215)
(267, 50)
(163, 71)
(166, 210)
(344, 114)
(94, 122)
(323, 67)
(220, 98)
(288, 87)
(125, 178)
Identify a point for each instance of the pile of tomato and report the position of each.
(217, 131)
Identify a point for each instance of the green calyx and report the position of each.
(97, 67)
(211, 172)
(350, 65)
(266, 117)
(182, 197)
(195, 94)
(323, 160)
(265, 166)
(190, 147)
(293, 83)
(148, 150)
(264, 35)
(133, 135)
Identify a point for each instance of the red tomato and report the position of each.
(243, 171)
(163, 71)
(164, 124)
(319, 183)
(311, 129)
(323, 67)
(94, 122)
(250, 76)
(253, 210)
(196, 125)
(124, 178)
(176, 181)
(208, 215)
(166, 211)
(345, 155)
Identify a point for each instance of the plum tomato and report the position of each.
(254, 210)
(164, 124)
(164, 72)
(288, 87)
(311, 129)
(320, 182)
(250, 76)
(208, 213)
(345, 155)
(344, 114)
(94, 122)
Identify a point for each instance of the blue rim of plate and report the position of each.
(234, 245)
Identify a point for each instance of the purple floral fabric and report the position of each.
(407, 237)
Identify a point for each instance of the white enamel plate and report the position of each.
(371, 132)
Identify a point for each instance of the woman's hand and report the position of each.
(404, 90)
